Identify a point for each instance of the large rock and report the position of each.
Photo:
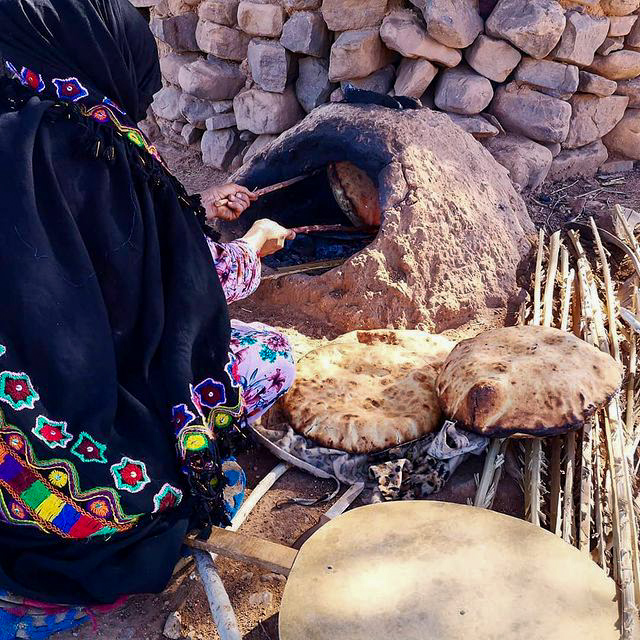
(196, 111)
(179, 32)
(494, 59)
(166, 103)
(414, 76)
(531, 113)
(171, 64)
(624, 140)
(263, 112)
(592, 118)
(609, 46)
(619, 7)
(270, 64)
(621, 25)
(261, 19)
(191, 134)
(211, 79)
(221, 11)
(291, 6)
(595, 84)
(582, 37)
(403, 31)
(631, 89)
(633, 39)
(346, 15)
(221, 121)
(454, 229)
(480, 128)
(381, 81)
(306, 32)
(223, 42)
(619, 65)
(527, 161)
(356, 54)
(578, 163)
(454, 23)
(463, 91)
(553, 78)
(533, 27)
(219, 148)
(313, 86)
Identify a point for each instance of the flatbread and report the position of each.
(368, 390)
(529, 380)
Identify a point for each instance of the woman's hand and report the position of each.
(227, 202)
(267, 237)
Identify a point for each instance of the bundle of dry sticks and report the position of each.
(582, 485)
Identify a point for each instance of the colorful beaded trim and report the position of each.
(47, 493)
(72, 90)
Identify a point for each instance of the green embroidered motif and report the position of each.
(88, 449)
(53, 434)
(16, 390)
(130, 475)
(3, 349)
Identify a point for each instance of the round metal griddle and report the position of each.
(439, 571)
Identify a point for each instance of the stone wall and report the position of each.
(551, 88)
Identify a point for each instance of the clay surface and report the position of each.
(454, 229)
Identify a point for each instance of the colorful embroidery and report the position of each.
(88, 449)
(12, 70)
(16, 390)
(221, 420)
(130, 475)
(111, 103)
(209, 393)
(58, 478)
(36, 486)
(181, 417)
(100, 508)
(70, 89)
(135, 137)
(101, 115)
(167, 498)
(192, 439)
(3, 349)
(32, 80)
(53, 434)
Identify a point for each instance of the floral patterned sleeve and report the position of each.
(238, 268)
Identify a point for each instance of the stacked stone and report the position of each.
(551, 88)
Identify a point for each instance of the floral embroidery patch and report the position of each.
(17, 511)
(209, 393)
(52, 433)
(16, 390)
(167, 498)
(70, 89)
(136, 138)
(130, 475)
(222, 420)
(101, 115)
(100, 508)
(32, 80)
(181, 416)
(58, 478)
(15, 442)
(88, 449)
(195, 442)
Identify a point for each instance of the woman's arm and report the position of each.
(238, 267)
(238, 262)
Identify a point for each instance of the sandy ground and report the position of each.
(143, 618)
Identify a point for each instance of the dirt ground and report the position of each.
(144, 617)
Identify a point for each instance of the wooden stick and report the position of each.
(610, 295)
(538, 280)
(491, 473)
(628, 231)
(238, 546)
(343, 228)
(552, 268)
(631, 379)
(265, 190)
(597, 495)
(567, 505)
(303, 268)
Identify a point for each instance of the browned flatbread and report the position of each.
(368, 390)
(529, 380)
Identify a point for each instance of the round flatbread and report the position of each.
(533, 381)
(368, 390)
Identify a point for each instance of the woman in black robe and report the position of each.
(119, 398)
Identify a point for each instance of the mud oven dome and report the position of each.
(453, 229)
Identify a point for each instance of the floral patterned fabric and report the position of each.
(264, 365)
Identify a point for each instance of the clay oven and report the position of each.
(453, 229)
